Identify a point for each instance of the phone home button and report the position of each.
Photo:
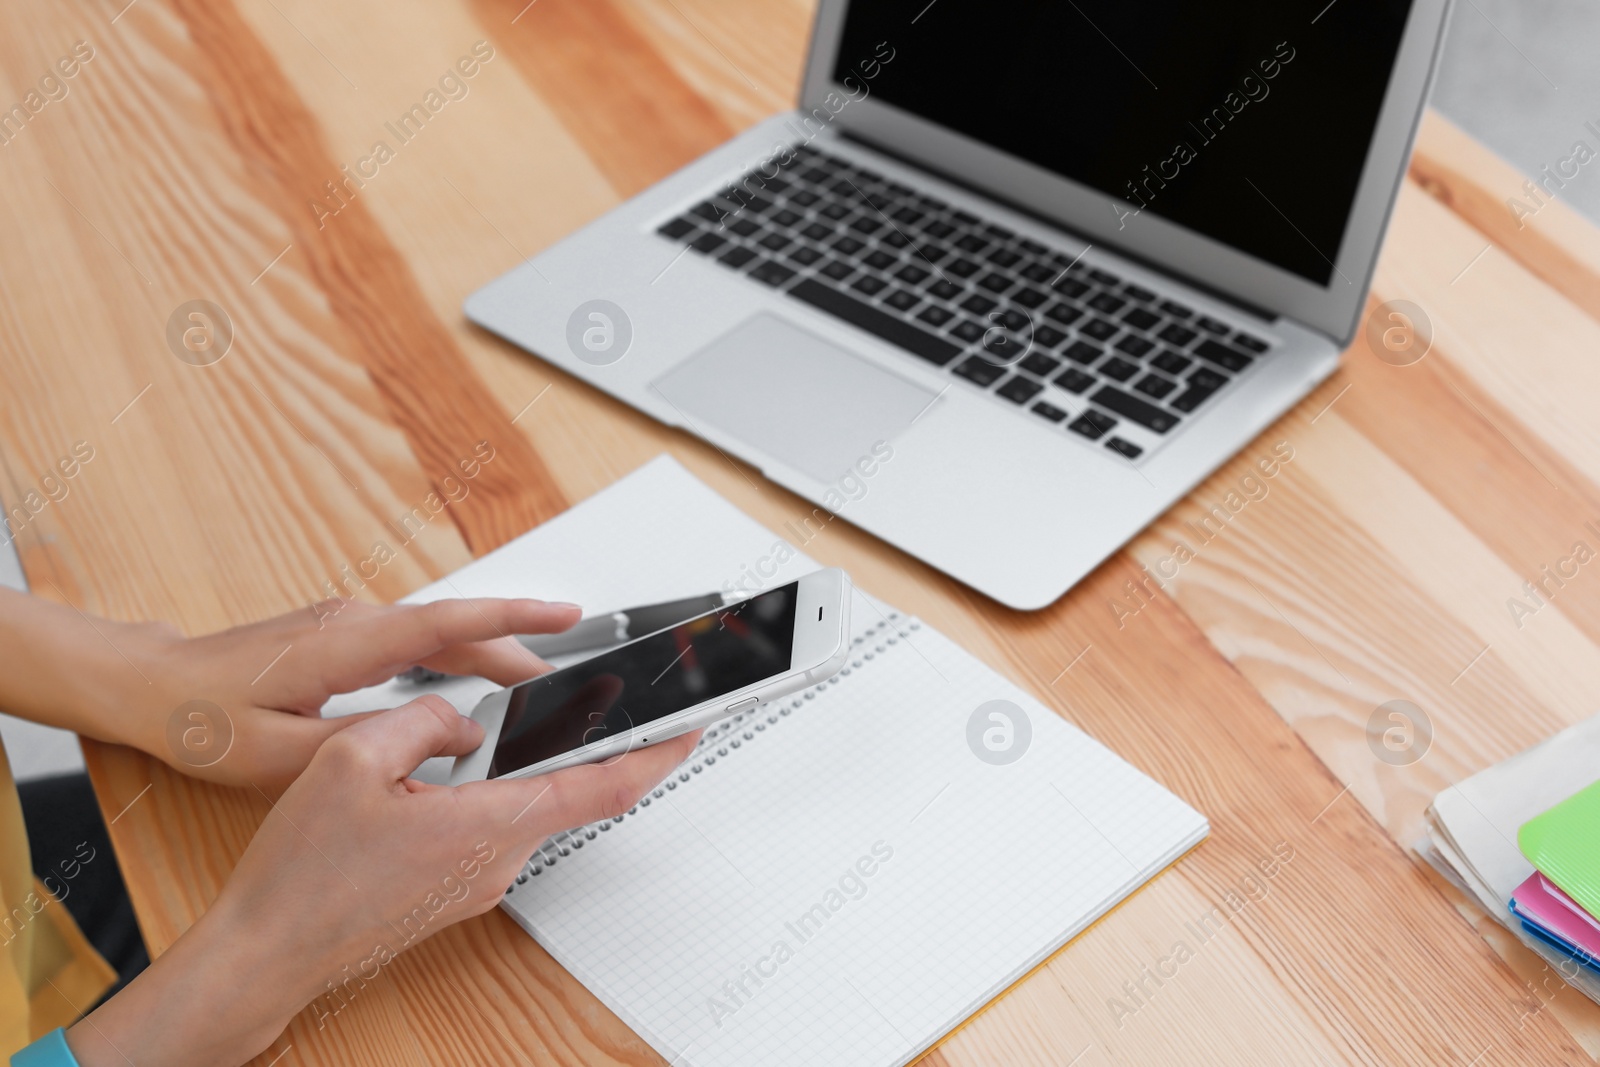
(740, 705)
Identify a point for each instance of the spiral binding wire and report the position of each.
(719, 740)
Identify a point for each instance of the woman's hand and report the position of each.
(354, 864)
(241, 706)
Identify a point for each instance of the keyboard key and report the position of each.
(867, 224)
(911, 274)
(1083, 352)
(978, 304)
(967, 330)
(1177, 335)
(1065, 313)
(1071, 287)
(1004, 257)
(785, 218)
(775, 241)
(817, 232)
(1220, 354)
(1047, 336)
(995, 283)
(1119, 369)
(1107, 303)
(907, 215)
(1099, 329)
(1248, 343)
(835, 211)
(1048, 411)
(1207, 378)
(943, 290)
(1176, 310)
(966, 217)
(838, 270)
(772, 273)
(1126, 448)
(1104, 277)
(708, 242)
(737, 257)
(1033, 246)
(1134, 345)
(936, 315)
(1192, 398)
(880, 323)
(939, 229)
(804, 198)
(709, 211)
(1140, 319)
(931, 253)
(744, 227)
(804, 255)
(1029, 298)
(998, 232)
(880, 260)
(1170, 362)
(1038, 272)
(1139, 293)
(1155, 385)
(894, 239)
(901, 300)
(1212, 325)
(979, 370)
(972, 243)
(757, 204)
(1020, 389)
(1014, 320)
(848, 246)
(1001, 348)
(1147, 415)
(1074, 380)
(963, 268)
(870, 284)
(1092, 424)
(679, 227)
(1040, 364)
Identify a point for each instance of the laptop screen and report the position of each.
(1246, 122)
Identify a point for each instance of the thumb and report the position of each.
(394, 743)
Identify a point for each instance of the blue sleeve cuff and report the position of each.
(49, 1051)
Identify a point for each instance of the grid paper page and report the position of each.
(851, 881)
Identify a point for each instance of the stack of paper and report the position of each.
(1473, 830)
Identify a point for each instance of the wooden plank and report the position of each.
(1533, 225)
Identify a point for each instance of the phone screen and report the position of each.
(647, 680)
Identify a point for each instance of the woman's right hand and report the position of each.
(356, 862)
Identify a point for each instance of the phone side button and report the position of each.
(740, 705)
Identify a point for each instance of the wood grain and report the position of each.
(1377, 565)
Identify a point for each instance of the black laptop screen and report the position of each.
(1246, 122)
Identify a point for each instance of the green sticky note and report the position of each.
(1564, 844)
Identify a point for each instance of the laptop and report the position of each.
(1014, 277)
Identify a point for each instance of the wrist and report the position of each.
(219, 996)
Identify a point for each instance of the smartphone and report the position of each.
(666, 683)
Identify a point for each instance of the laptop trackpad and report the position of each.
(806, 401)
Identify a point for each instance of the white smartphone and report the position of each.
(666, 683)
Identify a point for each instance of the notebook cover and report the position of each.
(1561, 844)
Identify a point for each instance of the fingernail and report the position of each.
(564, 604)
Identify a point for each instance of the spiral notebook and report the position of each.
(840, 878)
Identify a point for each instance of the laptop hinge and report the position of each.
(1144, 261)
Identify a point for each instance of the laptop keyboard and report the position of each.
(1071, 345)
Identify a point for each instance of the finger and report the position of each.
(503, 661)
(392, 744)
(576, 796)
(285, 746)
(372, 650)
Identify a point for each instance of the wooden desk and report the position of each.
(182, 164)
